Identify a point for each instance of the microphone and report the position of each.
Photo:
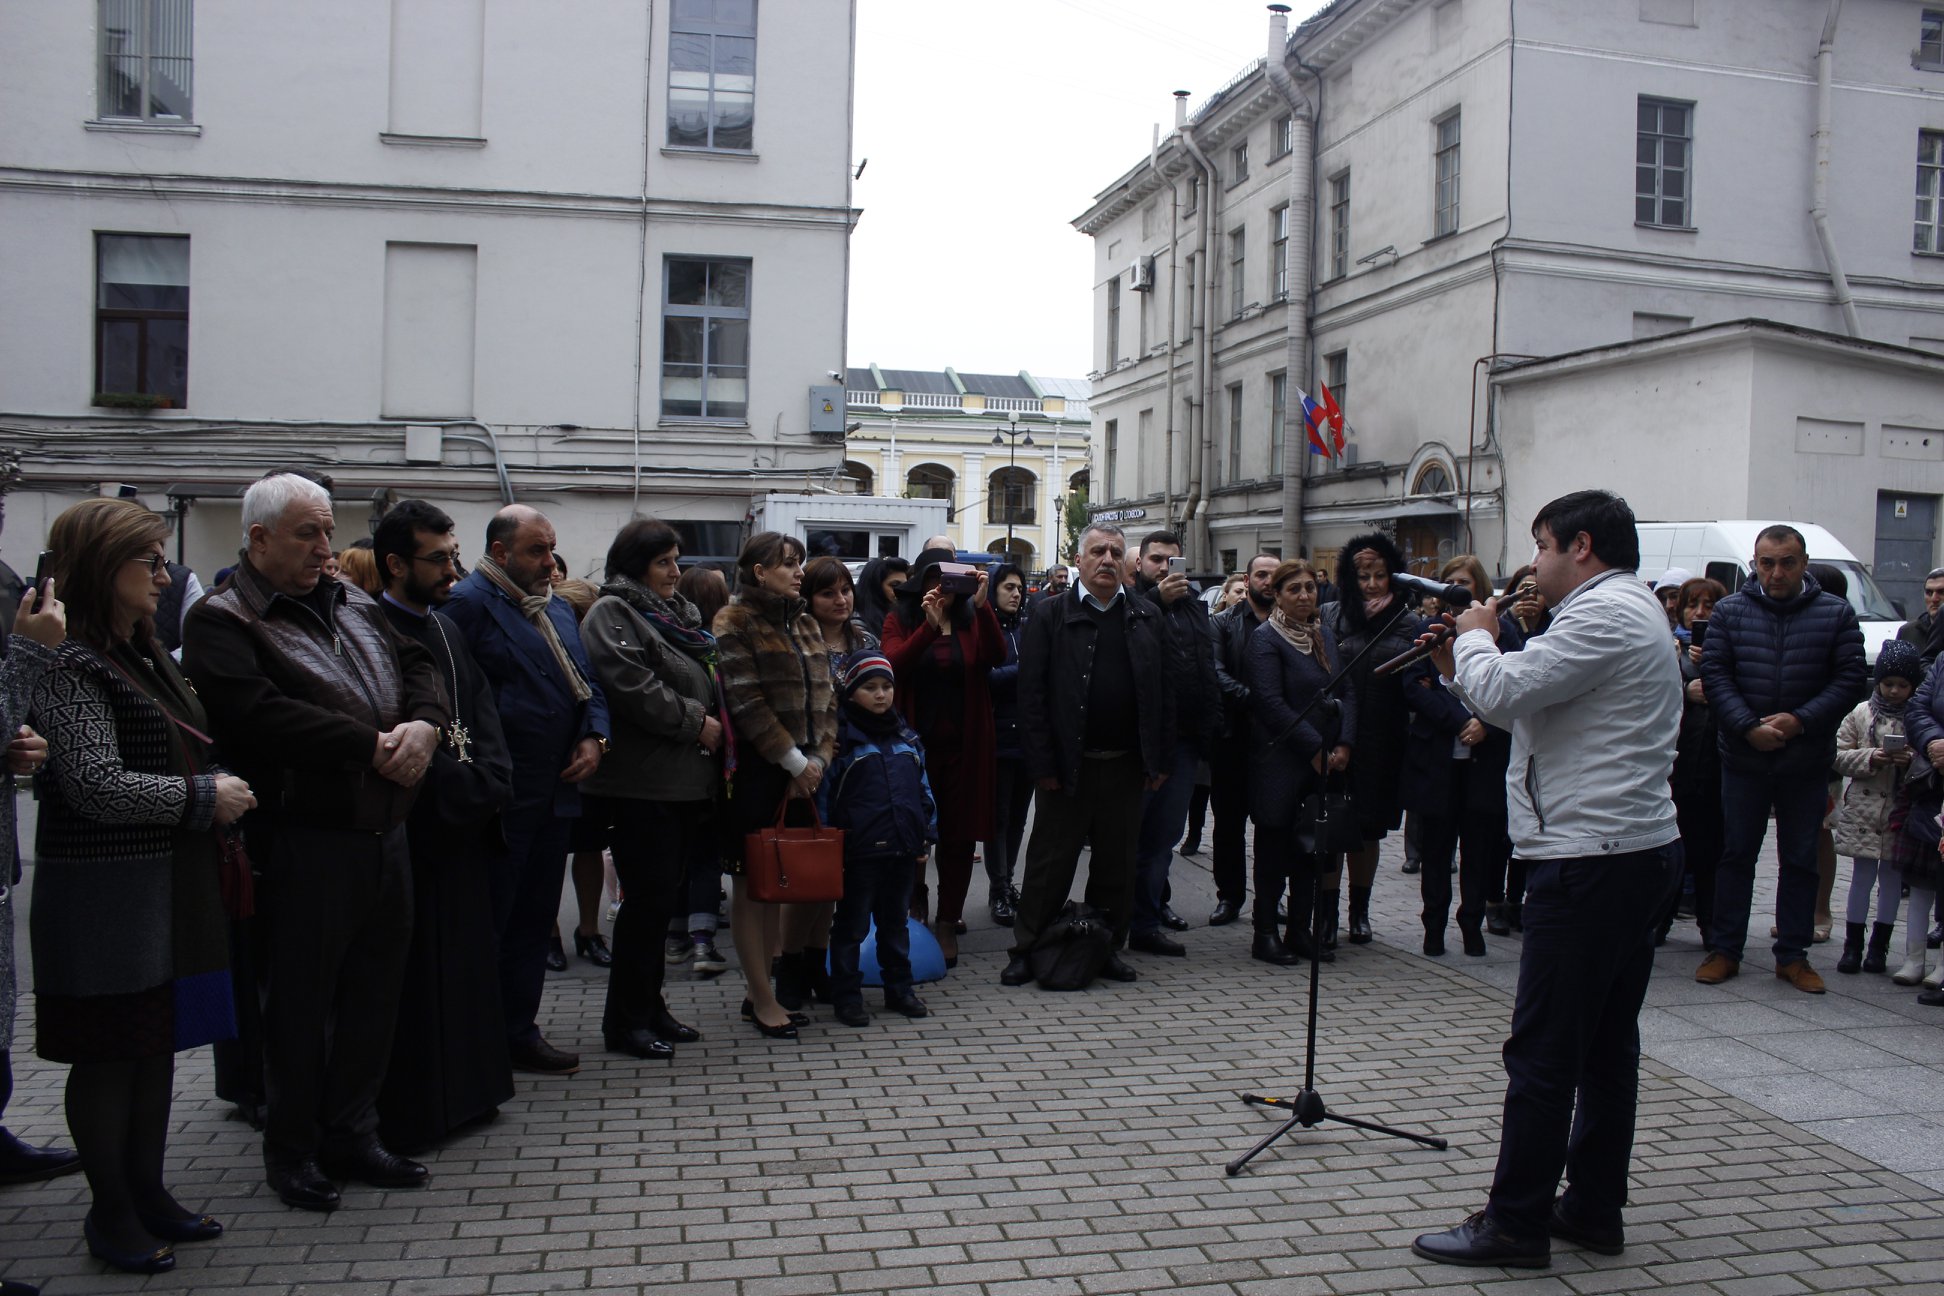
(1452, 595)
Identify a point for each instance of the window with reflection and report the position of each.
(705, 338)
(145, 64)
(712, 75)
(142, 318)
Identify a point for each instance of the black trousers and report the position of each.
(1572, 1062)
(1281, 861)
(1699, 817)
(1012, 798)
(339, 906)
(536, 865)
(654, 845)
(1228, 796)
(1474, 830)
(1104, 810)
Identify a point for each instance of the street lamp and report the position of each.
(1010, 436)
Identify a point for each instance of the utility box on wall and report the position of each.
(827, 412)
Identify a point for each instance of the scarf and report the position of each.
(1305, 636)
(680, 623)
(534, 607)
(1373, 606)
(1881, 711)
(883, 727)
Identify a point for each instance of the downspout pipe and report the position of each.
(1203, 459)
(1302, 149)
(1168, 456)
(1819, 210)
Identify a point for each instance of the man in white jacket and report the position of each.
(1594, 705)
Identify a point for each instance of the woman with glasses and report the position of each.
(129, 932)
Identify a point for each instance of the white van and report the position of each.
(1724, 550)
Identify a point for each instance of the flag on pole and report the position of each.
(1335, 414)
(1313, 421)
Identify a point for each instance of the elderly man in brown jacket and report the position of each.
(333, 718)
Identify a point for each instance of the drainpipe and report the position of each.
(1168, 460)
(1301, 149)
(1819, 212)
(1202, 460)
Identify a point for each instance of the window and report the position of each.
(1282, 137)
(1235, 432)
(1147, 221)
(1445, 203)
(1930, 192)
(1112, 437)
(1930, 41)
(933, 481)
(705, 338)
(1336, 372)
(1278, 405)
(1229, 560)
(712, 74)
(146, 65)
(1113, 322)
(1432, 479)
(1279, 253)
(1194, 197)
(860, 475)
(1663, 159)
(1236, 270)
(1188, 313)
(1009, 497)
(142, 317)
(1340, 225)
(1238, 164)
(431, 295)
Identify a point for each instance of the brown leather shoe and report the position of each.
(1799, 974)
(1715, 969)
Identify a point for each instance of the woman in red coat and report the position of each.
(942, 647)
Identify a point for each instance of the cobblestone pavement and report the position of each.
(1020, 1143)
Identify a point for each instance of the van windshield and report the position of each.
(1869, 600)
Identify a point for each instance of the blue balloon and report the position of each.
(927, 960)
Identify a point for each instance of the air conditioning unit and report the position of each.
(1142, 272)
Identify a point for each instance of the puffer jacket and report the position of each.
(1863, 819)
(878, 794)
(1804, 657)
(1232, 629)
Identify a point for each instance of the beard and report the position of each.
(1263, 600)
(425, 595)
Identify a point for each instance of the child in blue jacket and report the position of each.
(877, 793)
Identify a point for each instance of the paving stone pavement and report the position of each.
(1019, 1143)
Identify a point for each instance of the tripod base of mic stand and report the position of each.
(1308, 1110)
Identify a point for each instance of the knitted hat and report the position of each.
(863, 668)
(1901, 660)
(1674, 576)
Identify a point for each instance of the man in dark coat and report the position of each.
(1917, 631)
(333, 720)
(1198, 722)
(1782, 667)
(450, 1064)
(1228, 760)
(1095, 715)
(556, 724)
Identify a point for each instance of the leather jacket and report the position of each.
(1055, 661)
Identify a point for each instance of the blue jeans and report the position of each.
(873, 889)
(1745, 802)
(1572, 1062)
(1164, 813)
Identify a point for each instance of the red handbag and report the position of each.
(794, 865)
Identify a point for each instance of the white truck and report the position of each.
(855, 528)
(1724, 550)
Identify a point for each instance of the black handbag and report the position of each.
(1326, 824)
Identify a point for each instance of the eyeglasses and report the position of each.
(154, 562)
(439, 560)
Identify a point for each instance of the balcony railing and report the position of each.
(1022, 515)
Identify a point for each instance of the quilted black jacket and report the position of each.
(1804, 657)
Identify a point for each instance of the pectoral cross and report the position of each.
(456, 734)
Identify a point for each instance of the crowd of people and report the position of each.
(332, 839)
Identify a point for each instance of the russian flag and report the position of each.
(1314, 417)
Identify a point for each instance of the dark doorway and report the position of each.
(1906, 546)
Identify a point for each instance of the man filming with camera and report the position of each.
(1594, 705)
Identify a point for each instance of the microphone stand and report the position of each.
(1307, 1108)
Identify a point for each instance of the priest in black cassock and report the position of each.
(449, 1063)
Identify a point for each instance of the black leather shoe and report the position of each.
(159, 1260)
(1479, 1243)
(1495, 921)
(1225, 912)
(301, 1183)
(1172, 920)
(665, 1026)
(852, 1013)
(594, 949)
(1155, 943)
(1434, 943)
(556, 956)
(906, 1004)
(796, 1018)
(18, 1289)
(1018, 971)
(542, 1058)
(196, 1228)
(1269, 948)
(1191, 847)
(368, 1161)
(1330, 932)
(1002, 911)
(1115, 970)
(1604, 1241)
(639, 1043)
(25, 1163)
(1931, 998)
(1474, 941)
(1412, 866)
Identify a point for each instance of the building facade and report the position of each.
(1407, 196)
(593, 257)
(1006, 451)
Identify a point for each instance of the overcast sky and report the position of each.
(989, 126)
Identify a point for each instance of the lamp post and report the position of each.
(1010, 436)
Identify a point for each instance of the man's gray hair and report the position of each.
(1105, 528)
(265, 503)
